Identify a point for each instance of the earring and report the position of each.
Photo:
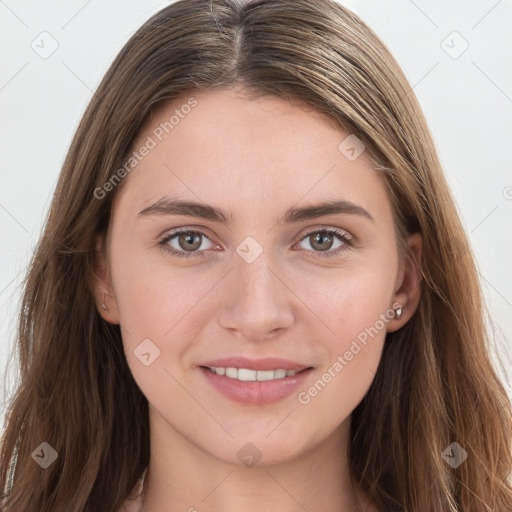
(103, 305)
(398, 312)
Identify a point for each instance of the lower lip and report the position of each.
(255, 392)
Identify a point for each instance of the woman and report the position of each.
(246, 294)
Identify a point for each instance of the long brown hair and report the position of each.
(435, 384)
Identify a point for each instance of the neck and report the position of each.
(182, 476)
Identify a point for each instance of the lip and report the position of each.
(268, 363)
(256, 392)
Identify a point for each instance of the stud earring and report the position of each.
(103, 305)
(398, 312)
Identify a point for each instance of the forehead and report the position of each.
(222, 146)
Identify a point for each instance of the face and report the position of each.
(248, 238)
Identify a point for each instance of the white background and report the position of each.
(467, 101)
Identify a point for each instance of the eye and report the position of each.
(187, 243)
(323, 240)
(184, 243)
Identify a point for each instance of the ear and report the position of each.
(408, 289)
(106, 302)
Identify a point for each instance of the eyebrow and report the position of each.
(167, 206)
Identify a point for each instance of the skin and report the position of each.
(254, 159)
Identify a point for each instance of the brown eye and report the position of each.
(189, 241)
(321, 241)
(186, 243)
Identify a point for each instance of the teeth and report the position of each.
(279, 374)
(264, 375)
(232, 373)
(247, 375)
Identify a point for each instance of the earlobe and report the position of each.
(102, 285)
(407, 297)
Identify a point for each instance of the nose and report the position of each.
(256, 302)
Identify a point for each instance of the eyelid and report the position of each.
(318, 229)
(308, 231)
(199, 229)
(347, 239)
(163, 240)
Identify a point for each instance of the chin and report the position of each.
(260, 449)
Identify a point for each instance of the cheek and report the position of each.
(158, 310)
(157, 302)
(358, 314)
(356, 306)
(353, 300)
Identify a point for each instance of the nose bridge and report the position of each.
(257, 286)
(256, 301)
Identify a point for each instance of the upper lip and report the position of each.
(268, 363)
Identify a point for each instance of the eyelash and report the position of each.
(347, 243)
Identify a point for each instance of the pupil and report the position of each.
(190, 238)
(319, 238)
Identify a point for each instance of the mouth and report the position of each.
(249, 375)
(264, 382)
